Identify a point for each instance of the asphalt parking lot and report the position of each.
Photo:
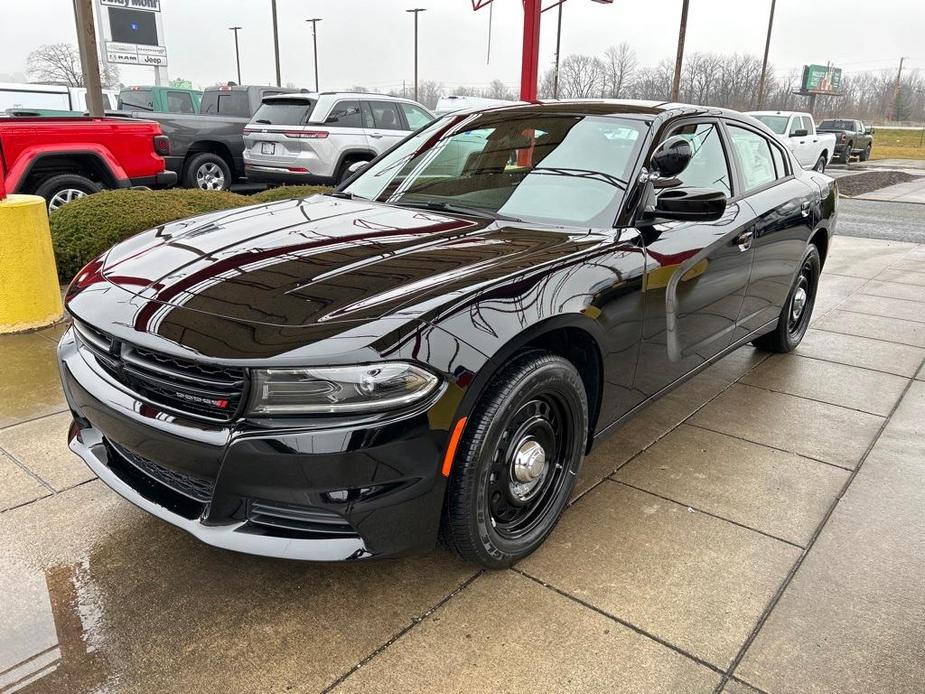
(762, 526)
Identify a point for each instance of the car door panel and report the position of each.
(384, 124)
(696, 272)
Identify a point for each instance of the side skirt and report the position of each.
(611, 428)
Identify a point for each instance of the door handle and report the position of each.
(376, 135)
(744, 240)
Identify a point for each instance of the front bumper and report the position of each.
(343, 492)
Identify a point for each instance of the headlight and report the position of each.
(335, 389)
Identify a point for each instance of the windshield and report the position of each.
(560, 169)
(284, 112)
(776, 123)
(837, 125)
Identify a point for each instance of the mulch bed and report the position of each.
(861, 183)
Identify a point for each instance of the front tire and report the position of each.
(64, 188)
(865, 155)
(517, 461)
(820, 164)
(798, 308)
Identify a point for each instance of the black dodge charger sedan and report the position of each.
(430, 350)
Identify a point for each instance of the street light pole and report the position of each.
(682, 31)
(764, 63)
(314, 22)
(415, 12)
(279, 78)
(237, 54)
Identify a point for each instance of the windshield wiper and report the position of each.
(441, 206)
(344, 195)
(580, 173)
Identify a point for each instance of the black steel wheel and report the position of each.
(798, 309)
(517, 461)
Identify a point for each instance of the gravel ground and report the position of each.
(858, 184)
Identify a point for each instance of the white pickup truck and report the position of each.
(797, 130)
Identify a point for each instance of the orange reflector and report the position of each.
(451, 449)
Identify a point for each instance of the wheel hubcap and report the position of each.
(210, 177)
(63, 197)
(528, 467)
(796, 306)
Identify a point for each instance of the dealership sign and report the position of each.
(821, 79)
(132, 32)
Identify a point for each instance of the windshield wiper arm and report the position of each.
(441, 206)
(343, 194)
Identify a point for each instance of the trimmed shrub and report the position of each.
(287, 193)
(83, 229)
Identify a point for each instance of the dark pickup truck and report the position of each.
(851, 138)
(207, 148)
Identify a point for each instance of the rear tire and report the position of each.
(64, 188)
(865, 155)
(820, 164)
(798, 309)
(207, 171)
(846, 154)
(517, 461)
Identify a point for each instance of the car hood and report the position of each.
(320, 260)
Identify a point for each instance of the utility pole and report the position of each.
(896, 95)
(764, 63)
(89, 58)
(682, 31)
(279, 78)
(555, 76)
(415, 12)
(314, 22)
(237, 54)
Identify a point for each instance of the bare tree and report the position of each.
(359, 89)
(498, 90)
(581, 77)
(619, 65)
(429, 92)
(59, 63)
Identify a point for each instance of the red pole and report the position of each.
(530, 63)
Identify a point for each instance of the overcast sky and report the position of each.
(369, 42)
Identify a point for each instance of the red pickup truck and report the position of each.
(61, 159)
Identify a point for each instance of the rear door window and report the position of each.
(228, 103)
(345, 114)
(753, 153)
(284, 112)
(385, 115)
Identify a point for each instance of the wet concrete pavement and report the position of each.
(761, 527)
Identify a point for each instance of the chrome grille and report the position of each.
(208, 391)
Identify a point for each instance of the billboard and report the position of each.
(821, 79)
(133, 33)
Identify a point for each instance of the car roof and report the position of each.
(610, 107)
(307, 96)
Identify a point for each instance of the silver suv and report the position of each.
(314, 138)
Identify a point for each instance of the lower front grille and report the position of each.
(196, 488)
(302, 520)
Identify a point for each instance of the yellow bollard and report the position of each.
(30, 296)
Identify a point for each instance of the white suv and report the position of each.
(314, 138)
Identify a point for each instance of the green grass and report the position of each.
(897, 144)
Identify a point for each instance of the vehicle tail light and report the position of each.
(297, 169)
(309, 134)
(162, 145)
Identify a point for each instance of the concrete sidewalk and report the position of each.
(762, 528)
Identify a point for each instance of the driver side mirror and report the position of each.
(671, 157)
(868, 131)
(799, 133)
